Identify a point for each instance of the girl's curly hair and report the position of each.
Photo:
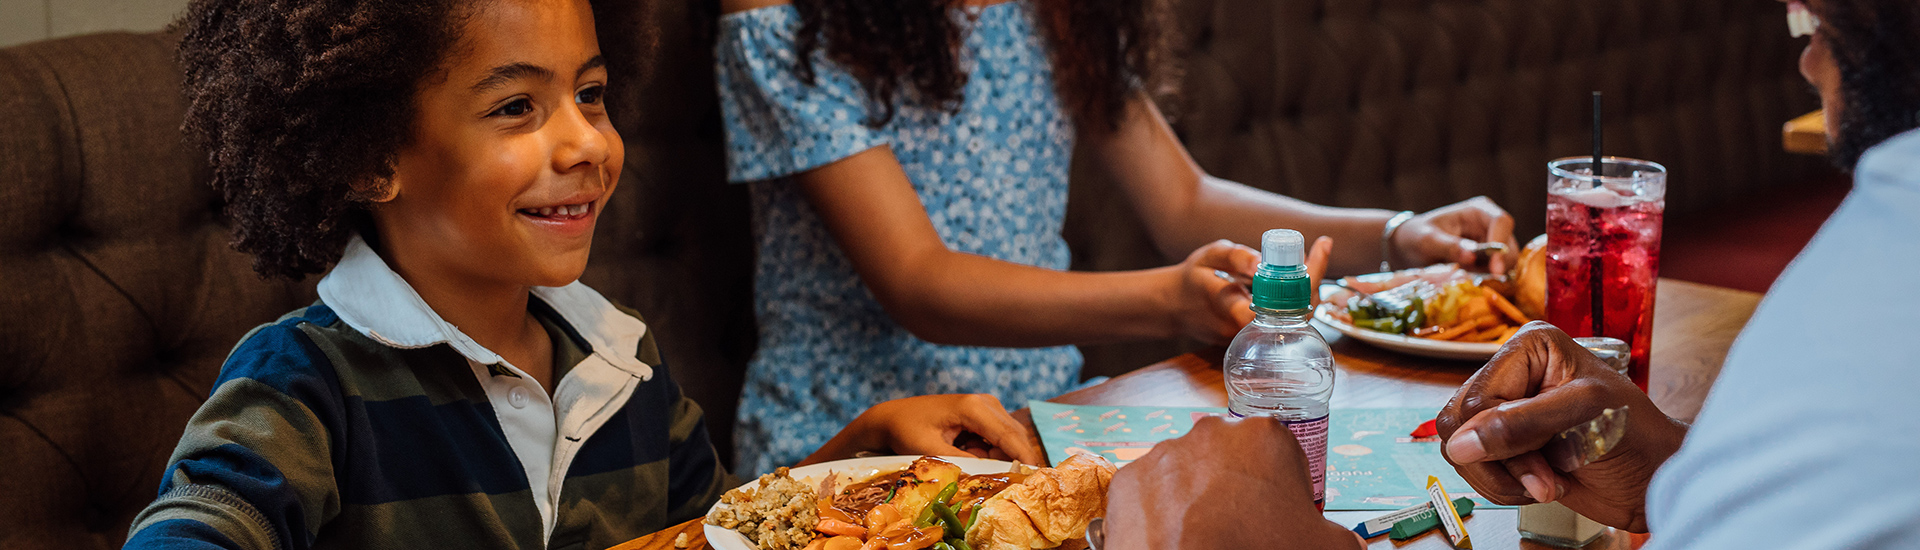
(1102, 50)
(301, 106)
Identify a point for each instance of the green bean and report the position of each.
(953, 522)
(946, 493)
(925, 518)
(942, 546)
(961, 544)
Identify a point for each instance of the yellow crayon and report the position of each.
(1449, 517)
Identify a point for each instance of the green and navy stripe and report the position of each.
(319, 437)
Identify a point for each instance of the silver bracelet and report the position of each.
(1386, 238)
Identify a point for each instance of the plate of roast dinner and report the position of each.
(913, 503)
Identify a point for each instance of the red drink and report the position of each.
(1605, 241)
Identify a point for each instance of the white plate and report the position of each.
(859, 468)
(1424, 347)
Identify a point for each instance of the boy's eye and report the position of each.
(516, 107)
(590, 95)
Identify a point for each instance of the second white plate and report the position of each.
(1439, 349)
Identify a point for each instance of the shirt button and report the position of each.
(517, 397)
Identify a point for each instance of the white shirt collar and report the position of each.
(370, 297)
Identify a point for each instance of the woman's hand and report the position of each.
(1213, 308)
(935, 425)
(1451, 233)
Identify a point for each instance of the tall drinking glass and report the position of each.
(1603, 250)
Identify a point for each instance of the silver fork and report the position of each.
(1365, 298)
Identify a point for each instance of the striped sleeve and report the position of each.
(695, 477)
(254, 469)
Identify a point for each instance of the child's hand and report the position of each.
(1213, 299)
(935, 425)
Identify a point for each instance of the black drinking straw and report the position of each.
(1596, 268)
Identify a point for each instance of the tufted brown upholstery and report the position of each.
(119, 298)
(118, 294)
(1413, 104)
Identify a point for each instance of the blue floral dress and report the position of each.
(993, 178)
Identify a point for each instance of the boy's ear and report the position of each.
(375, 189)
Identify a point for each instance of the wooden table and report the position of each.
(1694, 325)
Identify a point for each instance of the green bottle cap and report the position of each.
(1281, 283)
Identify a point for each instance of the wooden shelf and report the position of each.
(1806, 135)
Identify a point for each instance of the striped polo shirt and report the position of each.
(367, 421)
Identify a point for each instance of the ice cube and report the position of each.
(1597, 197)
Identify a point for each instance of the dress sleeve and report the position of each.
(254, 469)
(776, 122)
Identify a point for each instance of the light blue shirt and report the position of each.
(1811, 436)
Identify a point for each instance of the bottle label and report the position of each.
(1313, 439)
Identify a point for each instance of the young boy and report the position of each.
(454, 386)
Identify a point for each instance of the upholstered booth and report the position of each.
(119, 297)
(118, 294)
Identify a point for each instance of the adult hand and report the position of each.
(935, 425)
(1540, 384)
(1227, 484)
(1211, 308)
(1450, 233)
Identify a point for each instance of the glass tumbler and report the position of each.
(1603, 250)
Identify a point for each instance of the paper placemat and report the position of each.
(1372, 464)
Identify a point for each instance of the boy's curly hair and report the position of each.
(301, 106)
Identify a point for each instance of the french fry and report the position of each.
(1508, 335)
(1490, 334)
(1476, 306)
(1453, 331)
(1507, 308)
(1466, 326)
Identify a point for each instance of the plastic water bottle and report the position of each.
(1279, 365)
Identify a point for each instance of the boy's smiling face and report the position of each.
(512, 156)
